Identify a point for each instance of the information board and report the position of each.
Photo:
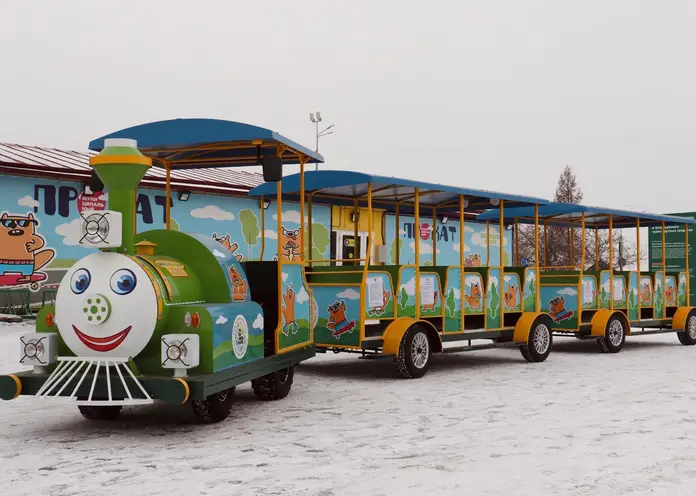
(675, 240)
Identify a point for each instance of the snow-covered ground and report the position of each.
(582, 423)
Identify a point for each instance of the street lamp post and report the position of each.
(316, 119)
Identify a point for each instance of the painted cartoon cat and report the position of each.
(290, 244)
(239, 285)
(289, 311)
(231, 247)
(20, 246)
(338, 323)
(511, 297)
(474, 299)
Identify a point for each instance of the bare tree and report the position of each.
(562, 247)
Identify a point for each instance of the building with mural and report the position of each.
(43, 191)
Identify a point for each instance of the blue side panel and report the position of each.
(237, 334)
(234, 273)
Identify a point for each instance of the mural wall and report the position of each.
(35, 215)
(447, 244)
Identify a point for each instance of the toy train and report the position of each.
(160, 315)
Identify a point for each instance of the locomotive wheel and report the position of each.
(414, 353)
(274, 386)
(688, 336)
(539, 341)
(614, 336)
(215, 408)
(100, 412)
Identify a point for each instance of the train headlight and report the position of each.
(38, 349)
(180, 352)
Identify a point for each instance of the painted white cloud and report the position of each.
(70, 231)
(457, 294)
(510, 279)
(221, 320)
(289, 216)
(258, 322)
(468, 228)
(402, 232)
(493, 280)
(479, 239)
(410, 286)
(212, 212)
(285, 276)
(568, 292)
(219, 254)
(426, 247)
(269, 234)
(302, 296)
(27, 201)
(348, 294)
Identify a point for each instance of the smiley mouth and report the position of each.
(104, 344)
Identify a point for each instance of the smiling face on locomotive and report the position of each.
(106, 306)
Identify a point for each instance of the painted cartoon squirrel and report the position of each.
(474, 296)
(20, 246)
(511, 297)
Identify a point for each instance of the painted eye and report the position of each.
(80, 281)
(123, 282)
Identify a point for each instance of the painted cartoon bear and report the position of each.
(557, 309)
(231, 247)
(645, 295)
(289, 311)
(671, 296)
(473, 260)
(338, 323)
(290, 244)
(239, 285)
(511, 297)
(20, 246)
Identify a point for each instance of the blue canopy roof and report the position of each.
(200, 143)
(567, 213)
(349, 185)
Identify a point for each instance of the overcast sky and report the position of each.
(488, 94)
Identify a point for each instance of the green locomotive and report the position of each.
(159, 315)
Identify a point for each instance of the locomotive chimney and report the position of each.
(121, 167)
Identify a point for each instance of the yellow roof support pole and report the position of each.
(433, 235)
(356, 243)
(417, 248)
(488, 244)
(686, 256)
(596, 247)
(537, 303)
(611, 262)
(368, 251)
(168, 194)
(516, 247)
(582, 245)
(546, 246)
(302, 210)
(638, 262)
(263, 227)
(686, 262)
(279, 227)
(461, 257)
(397, 235)
(309, 228)
(664, 271)
(571, 245)
(501, 237)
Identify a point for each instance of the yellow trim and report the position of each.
(686, 258)
(186, 388)
(18, 383)
(155, 285)
(279, 276)
(162, 275)
(416, 236)
(340, 346)
(120, 159)
(302, 214)
(679, 318)
(263, 228)
(462, 276)
(523, 326)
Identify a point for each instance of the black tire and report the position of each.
(215, 408)
(274, 386)
(688, 336)
(415, 351)
(90, 412)
(614, 335)
(539, 342)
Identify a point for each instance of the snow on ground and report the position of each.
(483, 423)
